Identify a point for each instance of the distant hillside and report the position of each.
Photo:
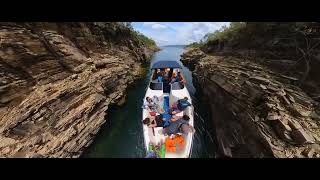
(174, 46)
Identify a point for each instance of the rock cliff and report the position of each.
(57, 81)
(258, 111)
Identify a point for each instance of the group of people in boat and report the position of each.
(168, 76)
(176, 128)
(155, 117)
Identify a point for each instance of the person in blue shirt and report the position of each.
(179, 106)
(183, 103)
(160, 78)
(159, 75)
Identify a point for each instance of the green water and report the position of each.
(122, 136)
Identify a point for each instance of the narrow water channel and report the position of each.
(122, 136)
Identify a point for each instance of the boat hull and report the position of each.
(154, 136)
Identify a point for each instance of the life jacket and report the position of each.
(173, 144)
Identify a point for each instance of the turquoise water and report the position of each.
(122, 136)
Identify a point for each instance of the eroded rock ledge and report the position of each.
(263, 112)
(57, 81)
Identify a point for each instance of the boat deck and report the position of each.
(166, 108)
(167, 94)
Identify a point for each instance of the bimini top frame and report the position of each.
(166, 64)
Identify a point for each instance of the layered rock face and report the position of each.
(57, 81)
(262, 112)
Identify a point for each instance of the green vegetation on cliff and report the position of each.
(194, 45)
(265, 35)
(263, 79)
(148, 41)
(294, 47)
(139, 36)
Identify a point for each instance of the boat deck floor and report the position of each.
(166, 108)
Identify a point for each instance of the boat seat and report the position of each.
(180, 114)
(161, 100)
(187, 111)
(155, 136)
(172, 99)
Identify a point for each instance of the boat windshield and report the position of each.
(156, 85)
(177, 86)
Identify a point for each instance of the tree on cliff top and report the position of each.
(299, 40)
(195, 44)
(146, 40)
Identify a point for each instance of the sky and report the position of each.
(176, 33)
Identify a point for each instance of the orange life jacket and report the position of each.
(172, 144)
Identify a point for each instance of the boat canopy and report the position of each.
(165, 64)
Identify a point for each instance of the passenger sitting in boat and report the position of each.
(180, 78)
(174, 126)
(166, 76)
(153, 105)
(159, 75)
(157, 121)
(156, 150)
(159, 106)
(150, 105)
(174, 78)
(179, 106)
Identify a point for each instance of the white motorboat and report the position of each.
(167, 94)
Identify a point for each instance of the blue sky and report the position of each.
(176, 33)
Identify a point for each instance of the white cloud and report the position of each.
(154, 25)
(179, 33)
(158, 26)
(148, 23)
(195, 31)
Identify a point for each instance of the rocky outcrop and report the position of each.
(263, 113)
(57, 81)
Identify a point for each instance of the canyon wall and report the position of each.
(258, 110)
(57, 81)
